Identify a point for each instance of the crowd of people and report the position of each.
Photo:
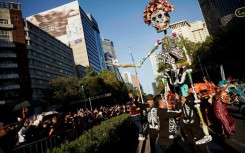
(173, 122)
(33, 127)
(170, 121)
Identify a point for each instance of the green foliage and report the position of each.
(105, 135)
(160, 85)
(95, 86)
(90, 72)
(65, 88)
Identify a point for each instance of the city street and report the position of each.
(235, 144)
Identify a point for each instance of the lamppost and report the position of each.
(142, 100)
(84, 96)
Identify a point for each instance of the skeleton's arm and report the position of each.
(115, 61)
(152, 50)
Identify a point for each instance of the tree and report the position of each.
(65, 89)
(90, 72)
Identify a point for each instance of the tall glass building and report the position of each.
(71, 25)
(110, 54)
(220, 14)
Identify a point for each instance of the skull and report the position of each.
(160, 20)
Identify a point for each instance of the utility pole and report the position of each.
(84, 97)
(136, 75)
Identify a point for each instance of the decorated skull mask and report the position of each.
(160, 20)
(156, 14)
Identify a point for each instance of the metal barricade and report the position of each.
(43, 145)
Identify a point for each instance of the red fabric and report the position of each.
(225, 119)
(133, 110)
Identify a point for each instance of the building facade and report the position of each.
(109, 53)
(71, 25)
(154, 58)
(98, 42)
(14, 75)
(48, 58)
(127, 78)
(220, 14)
(195, 31)
(135, 81)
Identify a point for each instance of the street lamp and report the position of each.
(142, 100)
(84, 96)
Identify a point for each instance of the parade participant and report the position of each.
(136, 119)
(220, 102)
(152, 127)
(167, 128)
(130, 95)
(191, 129)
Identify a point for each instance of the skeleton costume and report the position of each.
(191, 129)
(167, 129)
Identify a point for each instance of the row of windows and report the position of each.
(39, 82)
(49, 53)
(6, 51)
(8, 72)
(3, 21)
(53, 63)
(179, 25)
(47, 69)
(44, 37)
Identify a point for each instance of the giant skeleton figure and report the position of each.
(157, 15)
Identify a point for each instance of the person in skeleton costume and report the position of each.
(167, 131)
(191, 129)
(152, 121)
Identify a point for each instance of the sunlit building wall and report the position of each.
(48, 58)
(109, 53)
(71, 25)
(154, 63)
(14, 75)
(127, 77)
(195, 31)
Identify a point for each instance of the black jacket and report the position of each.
(167, 123)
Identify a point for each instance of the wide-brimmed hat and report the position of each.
(149, 97)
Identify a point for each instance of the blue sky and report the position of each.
(121, 21)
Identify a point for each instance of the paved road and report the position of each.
(235, 144)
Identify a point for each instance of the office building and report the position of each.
(71, 25)
(98, 42)
(109, 53)
(154, 58)
(220, 14)
(29, 57)
(127, 77)
(195, 31)
(154, 87)
(136, 82)
(48, 58)
(14, 74)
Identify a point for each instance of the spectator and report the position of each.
(7, 136)
(22, 134)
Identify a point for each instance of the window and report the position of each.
(4, 34)
(3, 21)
